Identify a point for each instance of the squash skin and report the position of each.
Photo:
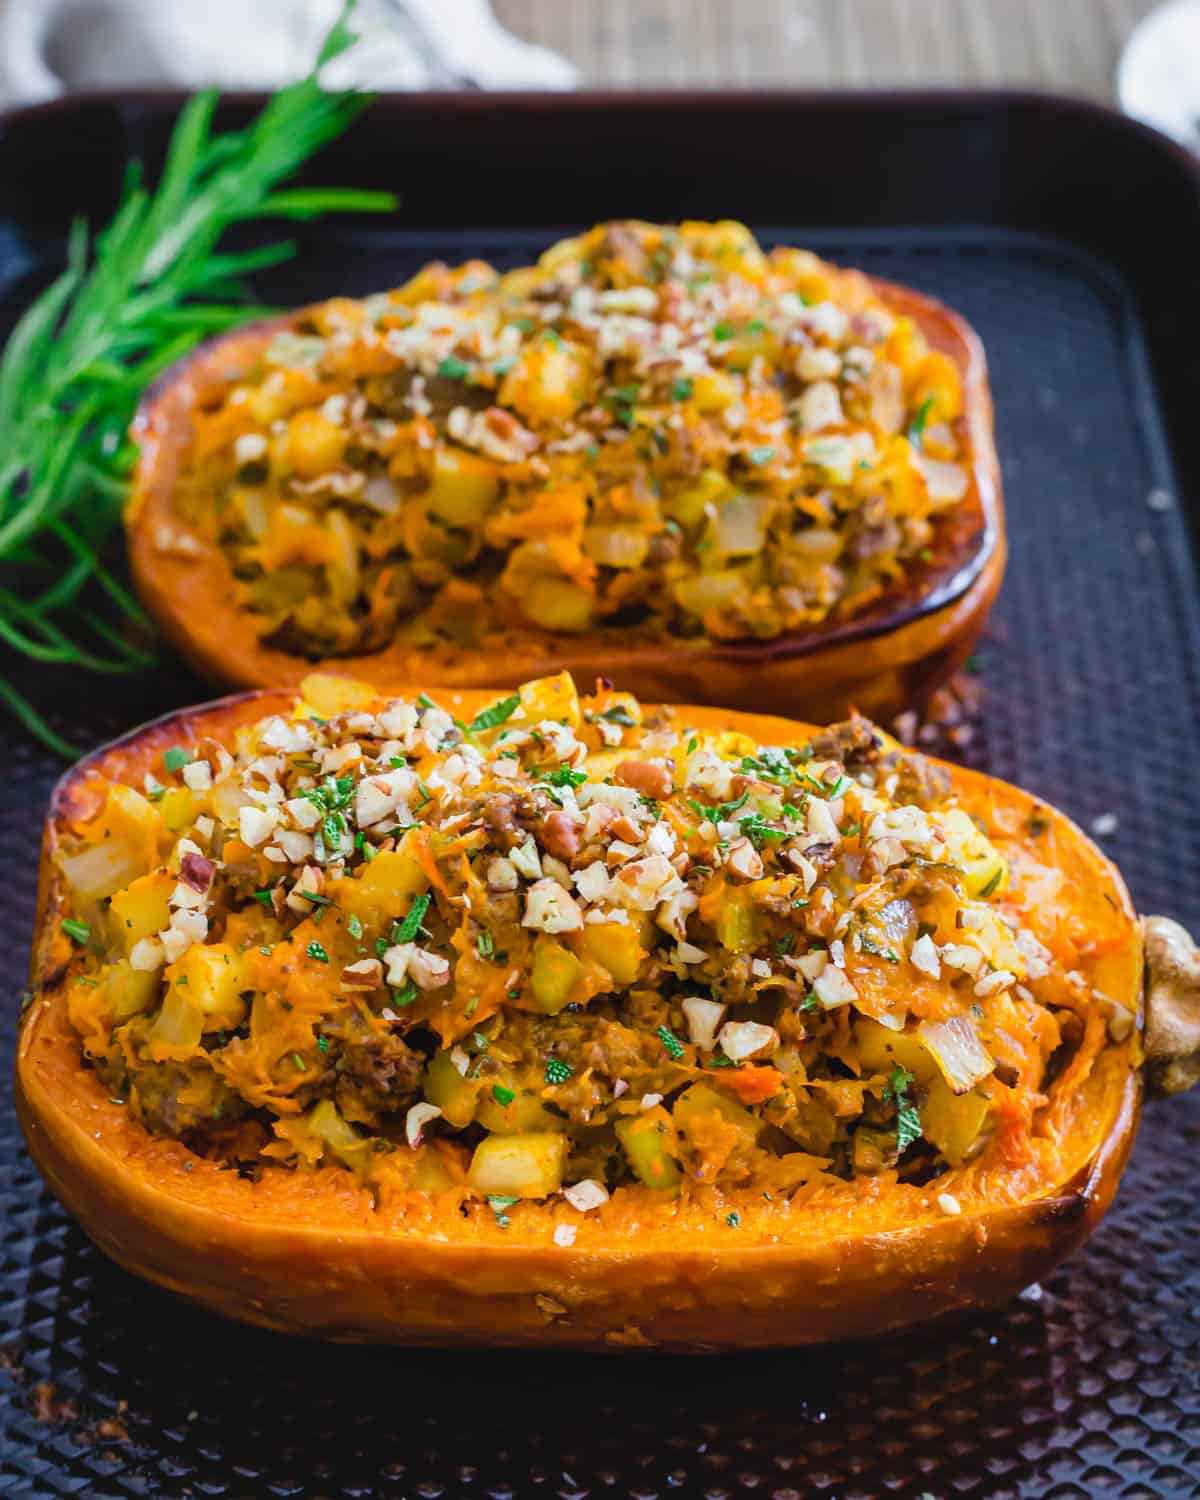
(881, 660)
(310, 1254)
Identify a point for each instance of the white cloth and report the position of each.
(52, 47)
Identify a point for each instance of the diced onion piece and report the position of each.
(586, 1195)
(416, 1120)
(955, 1046)
(739, 527)
(832, 988)
(703, 1017)
(616, 546)
(742, 1039)
(947, 483)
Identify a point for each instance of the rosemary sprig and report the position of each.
(152, 285)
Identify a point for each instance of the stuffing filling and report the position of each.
(654, 431)
(566, 946)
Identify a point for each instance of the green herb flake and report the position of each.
(176, 758)
(681, 390)
(80, 931)
(354, 926)
(916, 428)
(406, 995)
(499, 1205)
(557, 1071)
(300, 1063)
(990, 888)
(671, 1042)
(323, 1043)
(722, 332)
(760, 456)
(486, 944)
(756, 828)
(721, 812)
(406, 931)
(497, 713)
(315, 951)
(908, 1118)
(733, 1220)
(453, 368)
(503, 1096)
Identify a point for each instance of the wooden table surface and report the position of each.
(1070, 46)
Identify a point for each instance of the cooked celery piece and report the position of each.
(650, 1144)
(739, 926)
(335, 1133)
(702, 1099)
(519, 1166)
(523, 1112)
(180, 1022)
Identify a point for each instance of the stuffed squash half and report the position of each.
(548, 1020)
(660, 453)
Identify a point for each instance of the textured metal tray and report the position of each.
(1091, 672)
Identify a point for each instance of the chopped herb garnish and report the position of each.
(622, 402)
(406, 994)
(453, 368)
(784, 944)
(916, 428)
(869, 945)
(314, 950)
(406, 931)
(732, 1220)
(691, 744)
(722, 332)
(499, 1206)
(908, 1119)
(354, 926)
(721, 812)
(810, 1001)
(314, 898)
(619, 714)
(760, 456)
(671, 1042)
(563, 776)
(486, 944)
(323, 1043)
(502, 1095)
(557, 1071)
(176, 758)
(80, 931)
(756, 828)
(681, 390)
(990, 887)
(300, 1063)
(497, 713)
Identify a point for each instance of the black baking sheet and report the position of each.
(1088, 1386)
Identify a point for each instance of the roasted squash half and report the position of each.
(859, 1044)
(714, 474)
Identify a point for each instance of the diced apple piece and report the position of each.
(529, 1165)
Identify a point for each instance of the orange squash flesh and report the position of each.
(881, 659)
(313, 1252)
